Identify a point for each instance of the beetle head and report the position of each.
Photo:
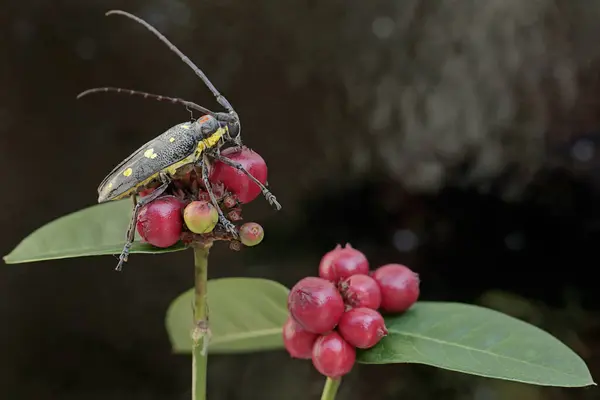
(234, 132)
(206, 126)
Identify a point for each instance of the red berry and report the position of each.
(160, 223)
(298, 342)
(236, 181)
(360, 291)
(251, 234)
(327, 259)
(341, 263)
(332, 356)
(399, 287)
(315, 304)
(362, 327)
(200, 217)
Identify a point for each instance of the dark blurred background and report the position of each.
(457, 137)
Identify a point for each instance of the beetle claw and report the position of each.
(229, 227)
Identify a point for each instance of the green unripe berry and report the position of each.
(200, 217)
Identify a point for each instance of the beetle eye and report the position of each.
(234, 130)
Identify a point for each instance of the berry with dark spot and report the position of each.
(160, 223)
(341, 263)
(297, 341)
(234, 180)
(362, 327)
(251, 234)
(332, 356)
(315, 304)
(200, 217)
(399, 287)
(360, 291)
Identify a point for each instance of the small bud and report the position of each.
(203, 196)
(251, 234)
(229, 202)
(200, 217)
(235, 245)
(218, 190)
(235, 215)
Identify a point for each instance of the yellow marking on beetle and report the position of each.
(185, 126)
(150, 154)
(202, 145)
(110, 185)
(172, 139)
(215, 137)
(173, 168)
(127, 172)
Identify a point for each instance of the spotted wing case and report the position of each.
(145, 163)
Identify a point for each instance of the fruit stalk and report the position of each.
(200, 334)
(331, 388)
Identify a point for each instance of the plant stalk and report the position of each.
(201, 332)
(331, 388)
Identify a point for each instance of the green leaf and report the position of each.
(478, 341)
(97, 230)
(246, 314)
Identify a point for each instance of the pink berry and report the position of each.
(298, 342)
(362, 327)
(315, 304)
(251, 234)
(332, 356)
(236, 181)
(160, 222)
(360, 291)
(341, 263)
(399, 287)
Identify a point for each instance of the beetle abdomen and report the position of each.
(144, 165)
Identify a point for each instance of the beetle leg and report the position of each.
(268, 195)
(137, 205)
(229, 227)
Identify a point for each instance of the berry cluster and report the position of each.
(337, 312)
(185, 211)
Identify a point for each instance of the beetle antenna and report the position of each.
(158, 97)
(220, 98)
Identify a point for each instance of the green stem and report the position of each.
(331, 388)
(201, 333)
